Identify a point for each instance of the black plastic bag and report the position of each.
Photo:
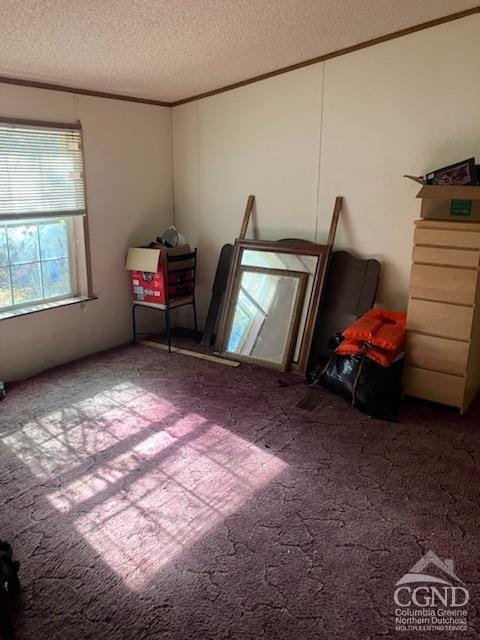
(315, 372)
(9, 589)
(340, 374)
(371, 388)
(378, 390)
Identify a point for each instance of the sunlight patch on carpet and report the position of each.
(168, 500)
(138, 480)
(65, 439)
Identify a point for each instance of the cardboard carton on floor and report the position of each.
(148, 277)
(461, 204)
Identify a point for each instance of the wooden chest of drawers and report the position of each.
(443, 324)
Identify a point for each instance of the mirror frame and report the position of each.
(302, 277)
(303, 248)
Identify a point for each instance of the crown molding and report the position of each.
(333, 54)
(299, 65)
(83, 92)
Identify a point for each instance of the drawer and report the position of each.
(447, 257)
(444, 284)
(439, 354)
(440, 319)
(434, 386)
(448, 238)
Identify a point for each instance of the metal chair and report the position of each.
(180, 274)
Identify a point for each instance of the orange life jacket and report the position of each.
(379, 334)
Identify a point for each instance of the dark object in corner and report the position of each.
(371, 388)
(350, 292)
(378, 389)
(218, 293)
(3, 390)
(9, 588)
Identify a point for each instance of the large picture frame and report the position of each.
(308, 257)
(263, 315)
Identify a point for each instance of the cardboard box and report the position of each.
(148, 279)
(460, 204)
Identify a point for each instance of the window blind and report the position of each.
(41, 170)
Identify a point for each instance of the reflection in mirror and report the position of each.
(264, 315)
(290, 261)
(277, 260)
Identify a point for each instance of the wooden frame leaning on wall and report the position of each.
(311, 304)
(291, 329)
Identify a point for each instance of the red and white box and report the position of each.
(148, 274)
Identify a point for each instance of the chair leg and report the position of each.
(134, 339)
(195, 319)
(167, 318)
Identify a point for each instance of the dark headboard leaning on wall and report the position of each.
(350, 292)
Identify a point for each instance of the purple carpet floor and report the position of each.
(150, 495)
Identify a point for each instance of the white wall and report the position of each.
(351, 126)
(262, 139)
(130, 201)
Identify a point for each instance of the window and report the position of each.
(42, 215)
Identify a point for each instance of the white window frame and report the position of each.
(78, 240)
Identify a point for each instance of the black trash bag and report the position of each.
(314, 373)
(340, 374)
(9, 589)
(371, 388)
(378, 389)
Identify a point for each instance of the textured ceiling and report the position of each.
(172, 49)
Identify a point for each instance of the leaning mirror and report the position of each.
(263, 315)
(291, 256)
(290, 262)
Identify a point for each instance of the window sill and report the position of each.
(44, 306)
